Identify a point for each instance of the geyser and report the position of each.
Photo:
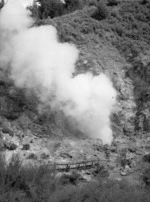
(39, 62)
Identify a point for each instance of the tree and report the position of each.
(50, 8)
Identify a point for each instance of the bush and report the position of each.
(13, 185)
(34, 10)
(72, 5)
(101, 171)
(101, 12)
(50, 8)
(6, 129)
(54, 8)
(70, 178)
(146, 177)
(143, 2)
(112, 2)
(146, 157)
(91, 3)
(30, 183)
(105, 190)
(39, 184)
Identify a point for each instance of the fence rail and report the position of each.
(78, 166)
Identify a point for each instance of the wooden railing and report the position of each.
(78, 165)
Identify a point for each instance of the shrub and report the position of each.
(119, 30)
(30, 183)
(146, 157)
(70, 178)
(11, 179)
(54, 8)
(91, 3)
(50, 8)
(105, 190)
(144, 2)
(101, 171)
(146, 177)
(112, 2)
(101, 12)
(72, 5)
(39, 184)
(34, 10)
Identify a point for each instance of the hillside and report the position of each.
(116, 44)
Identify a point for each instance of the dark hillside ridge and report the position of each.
(126, 26)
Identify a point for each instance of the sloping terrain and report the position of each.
(117, 46)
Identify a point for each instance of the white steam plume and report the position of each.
(38, 61)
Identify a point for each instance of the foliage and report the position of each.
(70, 178)
(101, 12)
(101, 171)
(91, 2)
(146, 176)
(39, 184)
(131, 24)
(54, 8)
(103, 191)
(126, 27)
(112, 2)
(6, 129)
(34, 10)
(50, 8)
(17, 183)
(72, 5)
(144, 1)
(146, 157)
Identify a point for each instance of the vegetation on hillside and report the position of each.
(40, 184)
(54, 8)
(124, 24)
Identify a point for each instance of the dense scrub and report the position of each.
(131, 25)
(40, 184)
(124, 24)
(54, 8)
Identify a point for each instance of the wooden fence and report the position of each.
(78, 166)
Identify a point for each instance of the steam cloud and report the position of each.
(39, 62)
